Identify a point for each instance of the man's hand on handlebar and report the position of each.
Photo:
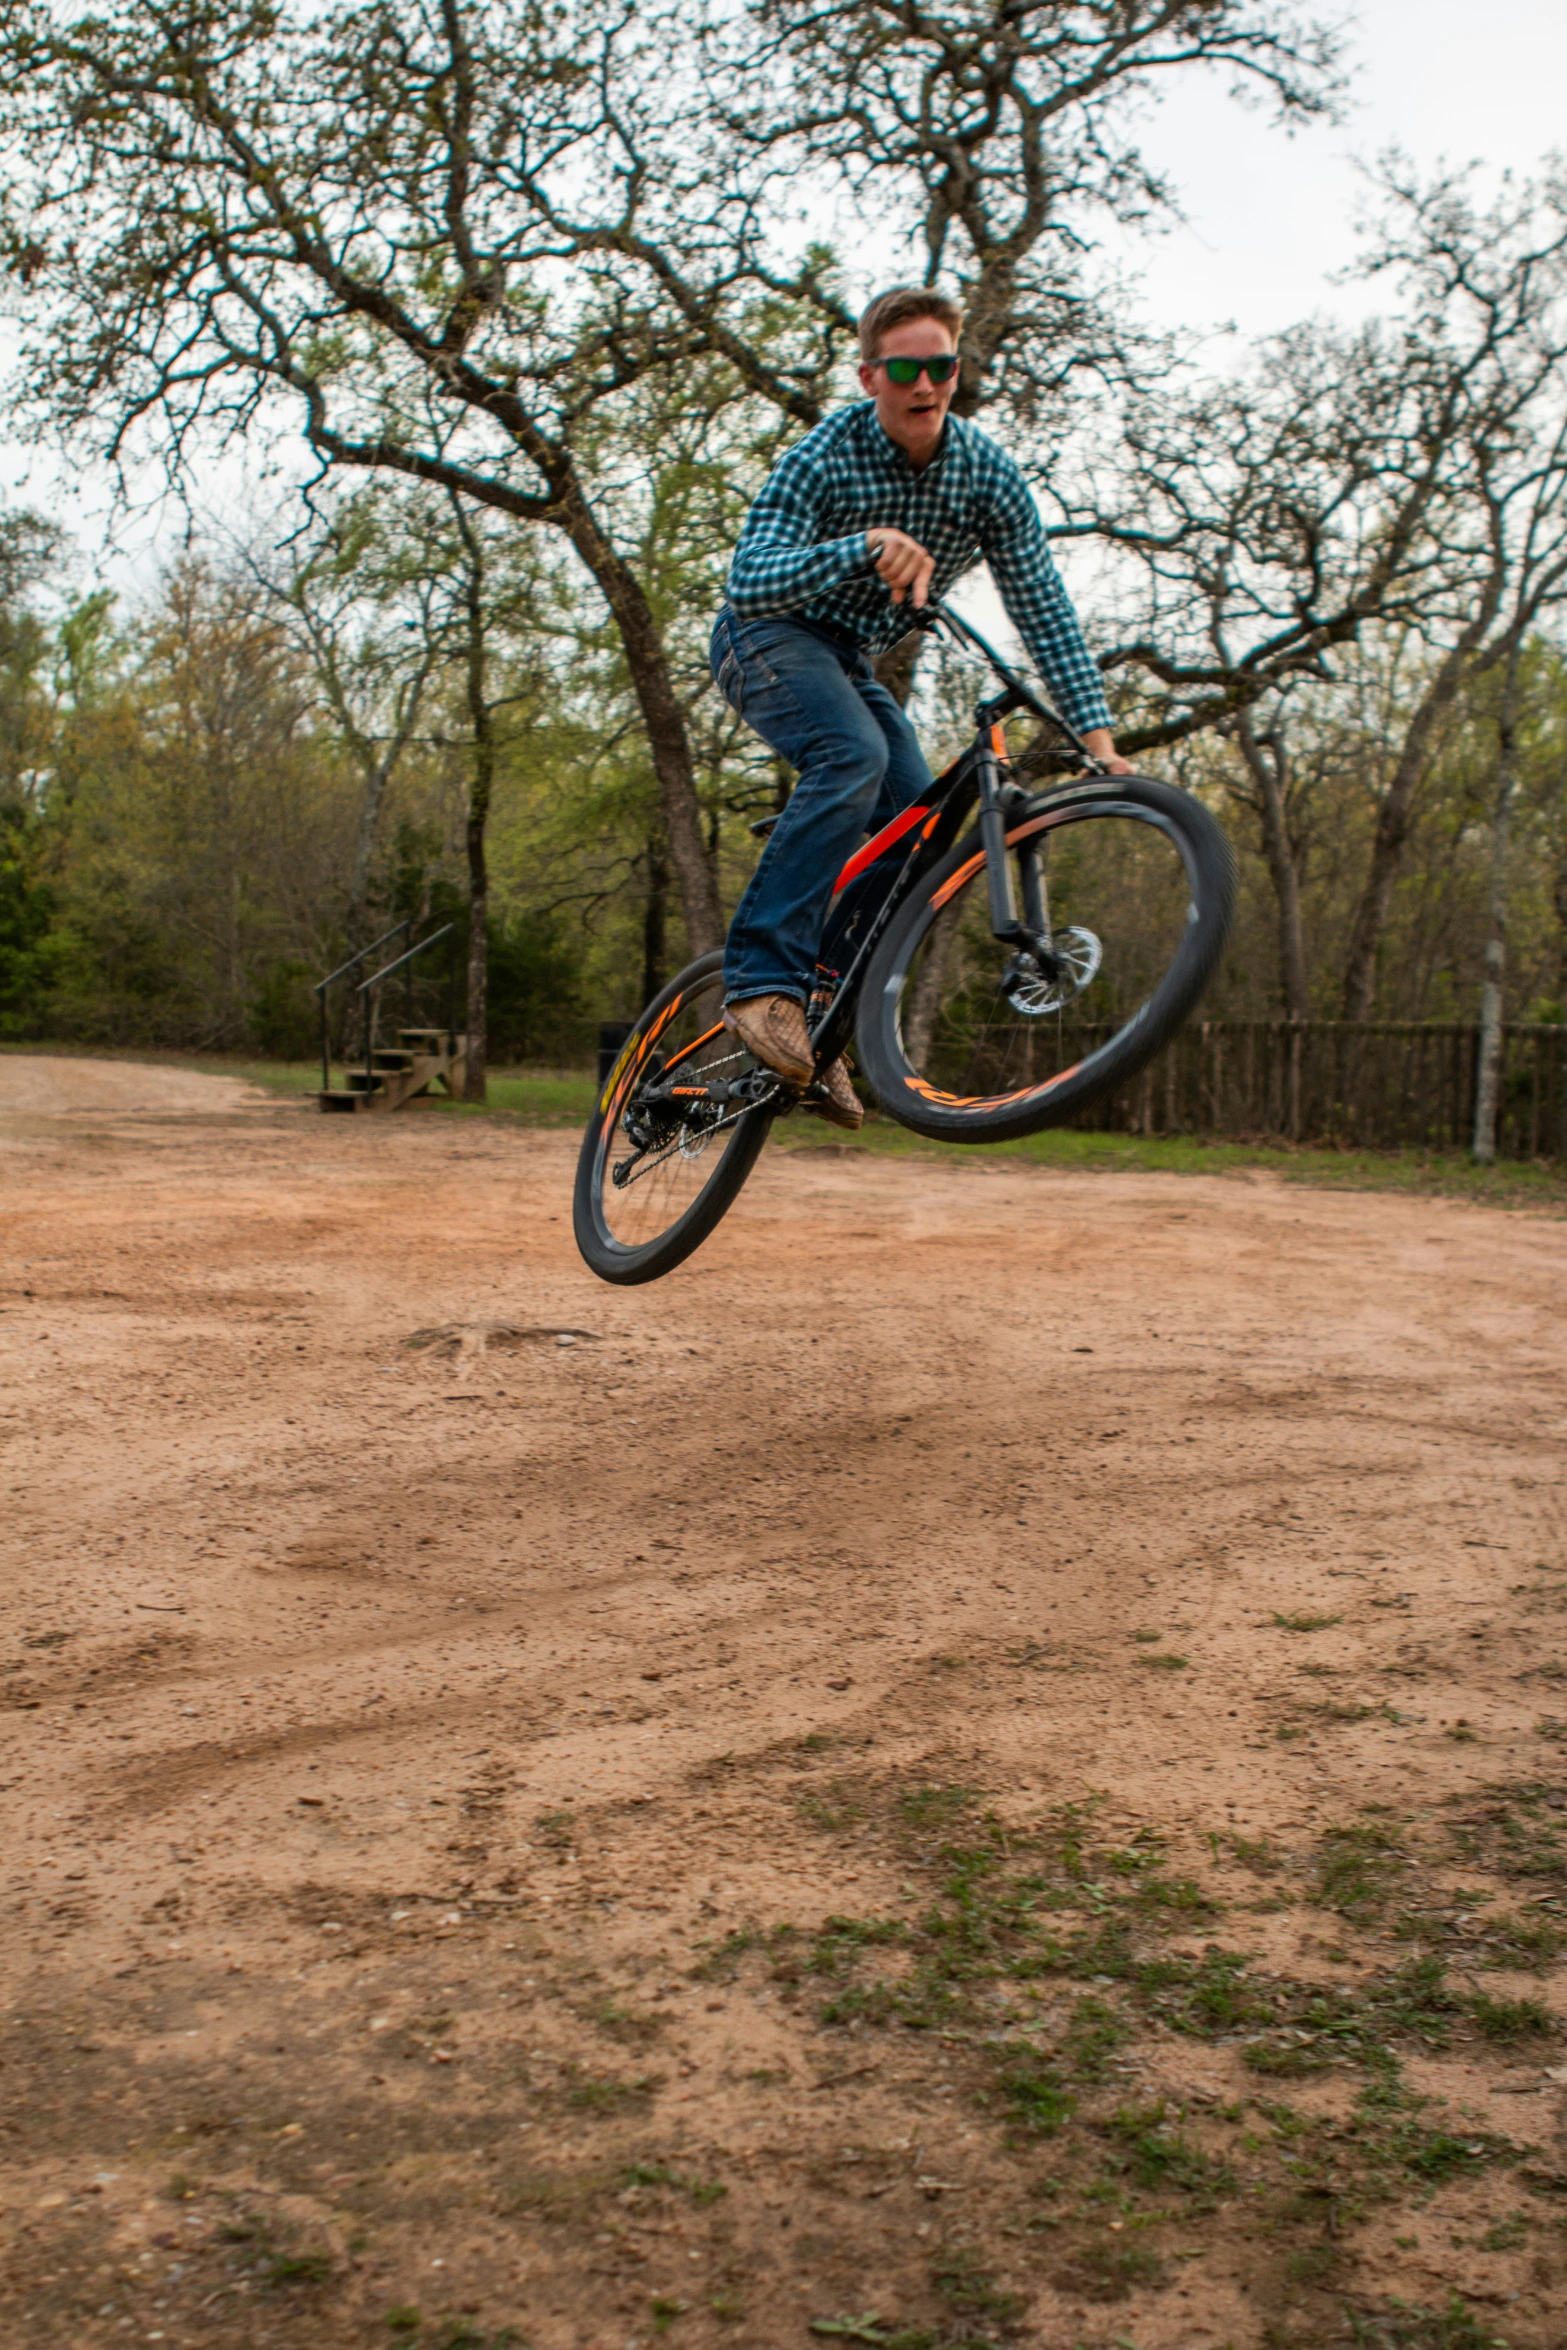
(1101, 743)
(903, 563)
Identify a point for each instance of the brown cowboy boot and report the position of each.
(834, 1097)
(773, 1028)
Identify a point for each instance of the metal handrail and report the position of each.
(387, 969)
(398, 929)
(375, 979)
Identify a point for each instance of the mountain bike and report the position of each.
(953, 955)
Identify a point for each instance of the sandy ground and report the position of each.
(778, 1806)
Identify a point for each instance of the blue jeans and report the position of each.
(859, 764)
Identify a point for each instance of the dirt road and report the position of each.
(981, 1765)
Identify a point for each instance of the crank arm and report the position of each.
(748, 1091)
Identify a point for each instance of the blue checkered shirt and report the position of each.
(803, 546)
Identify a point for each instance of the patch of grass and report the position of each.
(1432, 1175)
(626, 2025)
(280, 2269)
(1094, 2034)
(1258, 1855)
(665, 2311)
(831, 1809)
(404, 2318)
(970, 2289)
(723, 1963)
(1357, 1869)
(1302, 1620)
(872, 2327)
(1511, 1941)
(182, 2187)
(1414, 1999)
(1312, 2264)
(934, 1807)
(1402, 2325)
(1036, 2098)
(1165, 1662)
(1151, 2152)
(658, 2174)
(1508, 2020)
(1394, 2138)
(1514, 1832)
(586, 2094)
(1108, 2268)
(838, 1941)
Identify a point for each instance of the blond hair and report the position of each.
(898, 306)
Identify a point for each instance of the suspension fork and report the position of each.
(1033, 929)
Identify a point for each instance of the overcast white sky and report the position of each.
(1269, 217)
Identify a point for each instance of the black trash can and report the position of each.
(612, 1036)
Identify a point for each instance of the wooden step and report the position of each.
(401, 1073)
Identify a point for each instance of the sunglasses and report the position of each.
(908, 371)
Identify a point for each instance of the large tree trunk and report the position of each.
(377, 775)
(895, 668)
(1396, 812)
(481, 788)
(1489, 1060)
(655, 955)
(1268, 766)
(925, 998)
(662, 715)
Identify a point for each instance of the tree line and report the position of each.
(534, 296)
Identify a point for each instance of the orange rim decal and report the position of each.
(987, 1101)
(998, 741)
(621, 1076)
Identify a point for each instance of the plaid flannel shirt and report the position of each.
(803, 547)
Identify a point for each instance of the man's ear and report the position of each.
(868, 378)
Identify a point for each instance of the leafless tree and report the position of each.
(448, 239)
(1381, 477)
(363, 596)
(995, 138)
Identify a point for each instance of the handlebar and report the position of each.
(1018, 696)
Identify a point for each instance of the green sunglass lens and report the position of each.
(908, 371)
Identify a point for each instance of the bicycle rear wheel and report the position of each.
(964, 1037)
(663, 1157)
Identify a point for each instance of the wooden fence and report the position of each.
(1371, 1086)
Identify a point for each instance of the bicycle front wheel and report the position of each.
(965, 1037)
(665, 1152)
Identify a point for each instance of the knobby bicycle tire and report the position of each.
(914, 1086)
(711, 1167)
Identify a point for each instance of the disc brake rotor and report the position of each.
(1033, 992)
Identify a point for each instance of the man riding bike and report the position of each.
(889, 500)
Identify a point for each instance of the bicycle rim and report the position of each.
(966, 1037)
(655, 1175)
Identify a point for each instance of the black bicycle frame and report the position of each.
(974, 775)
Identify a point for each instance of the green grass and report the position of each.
(1508, 1184)
(526, 1097)
(546, 1098)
